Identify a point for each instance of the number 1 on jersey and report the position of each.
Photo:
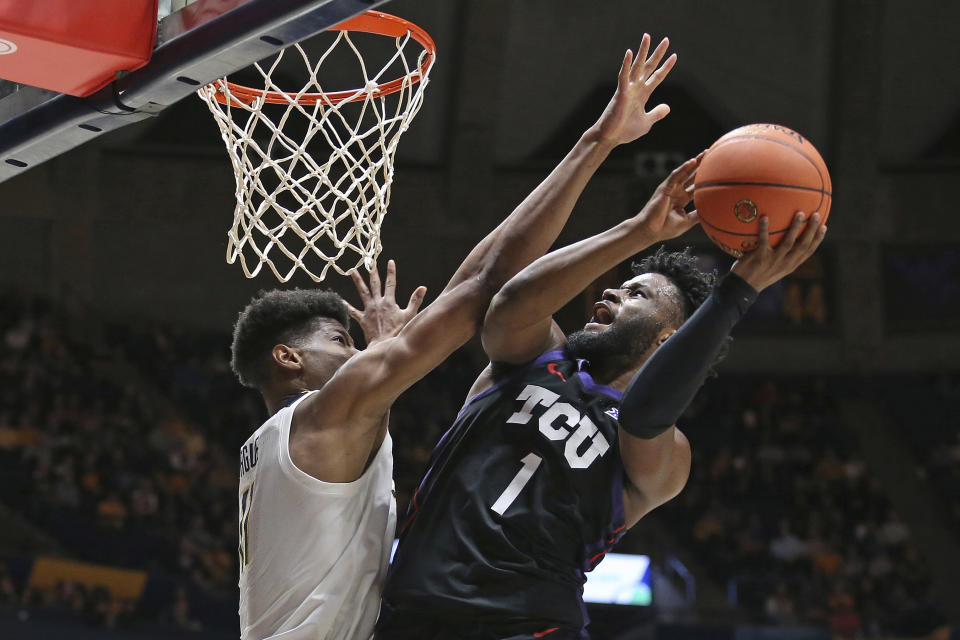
(530, 463)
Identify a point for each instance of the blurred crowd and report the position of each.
(192, 368)
(118, 439)
(68, 600)
(94, 605)
(101, 461)
(925, 410)
(782, 509)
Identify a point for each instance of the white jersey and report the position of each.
(313, 554)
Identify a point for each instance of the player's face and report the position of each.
(646, 296)
(324, 351)
(626, 321)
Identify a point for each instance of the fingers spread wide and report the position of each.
(636, 69)
(655, 58)
(360, 285)
(353, 312)
(390, 285)
(416, 299)
(657, 76)
(375, 281)
(624, 78)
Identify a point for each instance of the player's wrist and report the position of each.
(599, 139)
(640, 233)
(644, 228)
(749, 276)
(383, 333)
(740, 288)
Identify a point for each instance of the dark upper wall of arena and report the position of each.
(134, 224)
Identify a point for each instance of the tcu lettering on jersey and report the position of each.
(560, 421)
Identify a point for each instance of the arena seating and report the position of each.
(925, 411)
(119, 441)
(783, 509)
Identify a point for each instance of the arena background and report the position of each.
(825, 494)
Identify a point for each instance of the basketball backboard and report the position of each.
(197, 42)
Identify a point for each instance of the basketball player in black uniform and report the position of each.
(326, 448)
(567, 442)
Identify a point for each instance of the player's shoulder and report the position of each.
(270, 424)
(542, 363)
(347, 396)
(559, 368)
(498, 378)
(276, 421)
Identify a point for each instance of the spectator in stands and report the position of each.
(71, 430)
(785, 457)
(779, 606)
(112, 512)
(844, 621)
(9, 598)
(180, 612)
(787, 547)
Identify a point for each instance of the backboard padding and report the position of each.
(204, 40)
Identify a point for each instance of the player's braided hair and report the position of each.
(278, 317)
(694, 285)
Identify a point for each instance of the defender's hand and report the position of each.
(625, 119)
(664, 216)
(382, 317)
(765, 265)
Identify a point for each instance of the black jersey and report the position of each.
(524, 494)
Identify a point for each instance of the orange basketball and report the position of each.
(757, 170)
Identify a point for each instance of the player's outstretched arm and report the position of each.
(655, 454)
(518, 326)
(336, 430)
(535, 224)
(348, 412)
(522, 237)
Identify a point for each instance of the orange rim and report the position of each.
(375, 22)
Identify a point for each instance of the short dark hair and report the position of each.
(694, 285)
(681, 268)
(278, 317)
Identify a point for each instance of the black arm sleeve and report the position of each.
(668, 381)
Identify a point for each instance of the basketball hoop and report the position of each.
(291, 206)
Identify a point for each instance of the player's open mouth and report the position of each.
(601, 314)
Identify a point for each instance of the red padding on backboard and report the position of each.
(74, 46)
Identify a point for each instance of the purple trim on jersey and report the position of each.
(437, 446)
(556, 354)
(590, 385)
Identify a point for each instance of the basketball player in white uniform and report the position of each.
(317, 514)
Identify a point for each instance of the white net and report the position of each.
(314, 168)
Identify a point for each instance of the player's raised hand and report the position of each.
(665, 215)
(765, 265)
(626, 117)
(381, 316)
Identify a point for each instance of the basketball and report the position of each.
(759, 170)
